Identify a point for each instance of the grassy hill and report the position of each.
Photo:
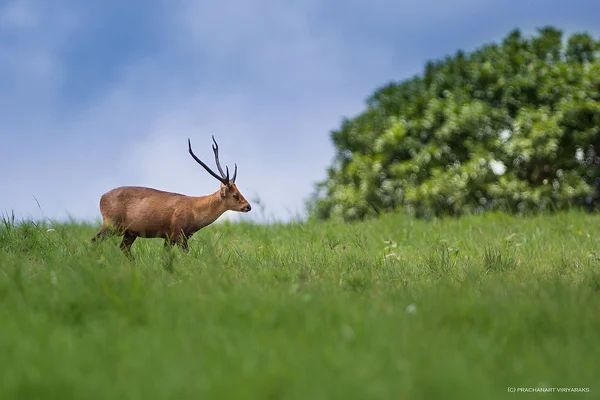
(392, 308)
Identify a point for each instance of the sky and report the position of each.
(100, 94)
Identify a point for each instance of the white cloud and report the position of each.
(281, 144)
(270, 170)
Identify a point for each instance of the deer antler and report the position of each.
(225, 176)
(223, 179)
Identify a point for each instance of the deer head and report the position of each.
(230, 195)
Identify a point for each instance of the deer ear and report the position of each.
(223, 191)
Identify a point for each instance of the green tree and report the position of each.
(512, 126)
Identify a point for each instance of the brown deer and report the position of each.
(134, 212)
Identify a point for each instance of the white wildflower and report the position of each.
(411, 309)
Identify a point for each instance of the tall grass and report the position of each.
(393, 308)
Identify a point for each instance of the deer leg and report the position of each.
(104, 232)
(182, 243)
(125, 246)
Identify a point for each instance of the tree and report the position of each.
(512, 126)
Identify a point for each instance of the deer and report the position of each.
(135, 211)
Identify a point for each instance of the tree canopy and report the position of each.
(513, 126)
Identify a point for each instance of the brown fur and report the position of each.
(134, 212)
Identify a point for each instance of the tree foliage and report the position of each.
(513, 126)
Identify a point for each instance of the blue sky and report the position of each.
(98, 94)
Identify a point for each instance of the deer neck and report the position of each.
(209, 208)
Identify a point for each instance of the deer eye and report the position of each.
(236, 197)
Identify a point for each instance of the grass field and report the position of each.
(389, 309)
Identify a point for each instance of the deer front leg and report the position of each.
(180, 239)
(182, 243)
(128, 240)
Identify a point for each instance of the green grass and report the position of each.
(388, 309)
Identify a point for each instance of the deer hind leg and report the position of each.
(125, 246)
(104, 232)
